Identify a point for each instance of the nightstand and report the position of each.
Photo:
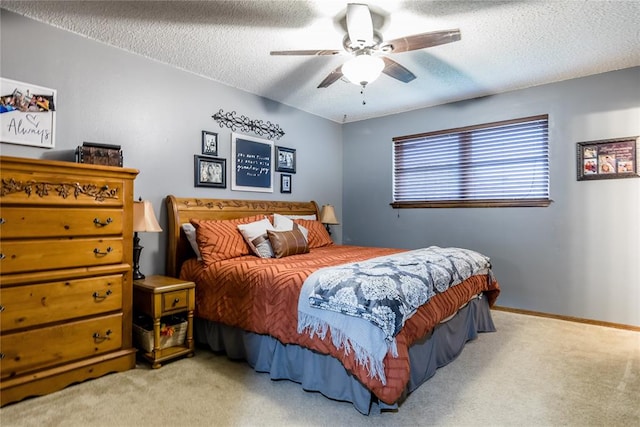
(158, 296)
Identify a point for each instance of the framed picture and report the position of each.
(209, 143)
(608, 159)
(285, 159)
(209, 172)
(285, 183)
(27, 114)
(251, 160)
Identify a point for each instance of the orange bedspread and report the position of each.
(261, 296)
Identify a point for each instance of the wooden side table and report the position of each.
(157, 296)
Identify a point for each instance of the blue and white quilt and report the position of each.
(365, 304)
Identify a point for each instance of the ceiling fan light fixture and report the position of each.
(363, 69)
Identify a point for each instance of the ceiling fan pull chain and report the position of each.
(364, 101)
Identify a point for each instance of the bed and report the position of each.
(251, 308)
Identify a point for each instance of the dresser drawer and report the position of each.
(177, 300)
(32, 305)
(59, 222)
(35, 255)
(42, 188)
(23, 352)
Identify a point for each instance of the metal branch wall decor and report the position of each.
(245, 124)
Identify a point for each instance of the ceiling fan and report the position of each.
(370, 49)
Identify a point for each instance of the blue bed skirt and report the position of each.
(325, 374)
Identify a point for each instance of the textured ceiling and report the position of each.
(504, 46)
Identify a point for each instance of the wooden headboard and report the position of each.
(182, 210)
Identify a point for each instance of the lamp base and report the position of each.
(328, 229)
(137, 250)
(137, 275)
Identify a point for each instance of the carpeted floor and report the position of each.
(532, 372)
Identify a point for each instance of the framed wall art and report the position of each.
(27, 114)
(251, 162)
(607, 159)
(209, 172)
(285, 159)
(285, 183)
(209, 143)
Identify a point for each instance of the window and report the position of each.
(494, 164)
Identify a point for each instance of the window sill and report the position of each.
(533, 203)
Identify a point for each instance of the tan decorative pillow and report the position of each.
(220, 239)
(318, 236)
(287, 243)
(255, 234)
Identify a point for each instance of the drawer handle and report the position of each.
(100, 338)
(1, 308)
(97, 295)
(1, 256)
(99, 223)
(2, 221)
(1, 356)
(97, 251)
(176, 301)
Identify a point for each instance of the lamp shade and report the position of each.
(363, 69)
(143, 217)
(328, 215)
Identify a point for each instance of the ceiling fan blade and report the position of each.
(421, 41)
(359, 24)
(333, 77)
(397, 71)
(306, 52)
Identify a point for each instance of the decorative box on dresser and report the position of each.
(66, 249)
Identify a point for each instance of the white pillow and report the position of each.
(190, 232)
(285, 223)
(255, 234)
(307, 217)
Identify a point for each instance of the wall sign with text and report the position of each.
(27, 114)
(252, 160)
(607, 159)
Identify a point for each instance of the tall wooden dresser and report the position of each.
(66, 249)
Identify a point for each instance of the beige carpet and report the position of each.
(532, 372)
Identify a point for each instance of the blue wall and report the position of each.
(578, 257)
(157, 113)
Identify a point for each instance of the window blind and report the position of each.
(497, 162)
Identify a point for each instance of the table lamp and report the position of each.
(328, 217)
(144, 220)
